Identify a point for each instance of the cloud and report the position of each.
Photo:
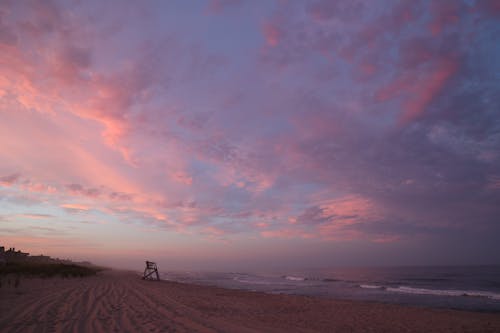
(272, 34)
(494, 183)
(217, 6)
(80, 190)
(213, 231)
(445, 14)
(75, 208)
(326, 121)
(419, 91)
(9, 180)
(182, 178)
(36, 216)
(121, 196)
(7, 35)
(286, 234)
(490, 8)
(313, 215)
(38, 187)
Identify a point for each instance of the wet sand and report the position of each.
(117, 301)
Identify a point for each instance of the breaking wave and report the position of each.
(371, 286)
(435, 292)
(294, 278)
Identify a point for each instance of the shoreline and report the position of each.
(120, 301)
(428, 288)
(329, 297)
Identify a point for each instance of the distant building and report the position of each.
(41, 259)
(11, 255)
(2, 256)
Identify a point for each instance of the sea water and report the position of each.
(475, 288)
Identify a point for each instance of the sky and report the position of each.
(230, 134)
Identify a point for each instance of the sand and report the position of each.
(117, 301)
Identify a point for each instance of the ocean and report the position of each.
(474, 288)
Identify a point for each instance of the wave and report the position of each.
(435, 292)
(371, 286)
(250, 280)
(294, 278)
(445, 292)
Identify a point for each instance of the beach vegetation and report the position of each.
(47, 270)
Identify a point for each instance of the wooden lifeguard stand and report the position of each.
(151, 269)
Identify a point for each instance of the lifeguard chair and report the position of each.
(151, 271)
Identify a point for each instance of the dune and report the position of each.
(115, 301)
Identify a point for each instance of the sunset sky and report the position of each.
(230, 134)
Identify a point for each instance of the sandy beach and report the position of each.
(117, 301)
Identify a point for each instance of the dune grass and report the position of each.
(48, 270)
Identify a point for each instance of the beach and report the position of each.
(118, 301)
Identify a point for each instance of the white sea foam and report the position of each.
(294, 278)
(250, 280)
(436, 292)
(441, 292)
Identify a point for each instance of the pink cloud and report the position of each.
(262, 225)
(272, 34)
(75, 207)
(213, 231)
(418, 88)
(243, 175)
(368, 68)
(36, 216)
(182, 177)
(347, 211)
(337, 219)
(39, 187)
(427, 88)
(445, 14)
(61, 77)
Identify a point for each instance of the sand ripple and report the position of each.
(121, 302)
